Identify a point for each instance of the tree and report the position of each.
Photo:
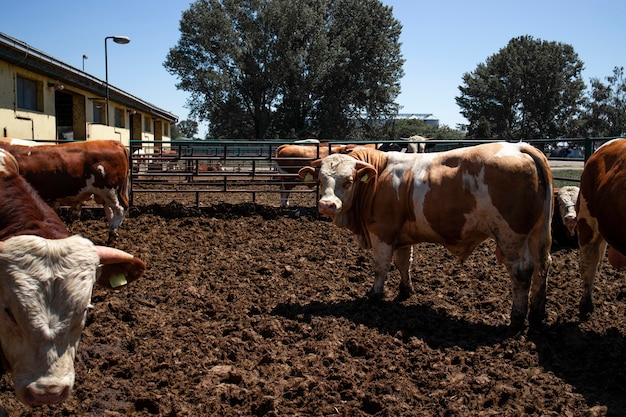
(311, 67)
(187, 128)
(606, 108)
(529, 89)
(411, 127)
(360, 86)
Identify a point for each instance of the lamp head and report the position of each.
(120, 39)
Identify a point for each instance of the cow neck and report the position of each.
(25, 213)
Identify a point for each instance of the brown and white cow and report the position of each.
(70, 173)
(601, 215)
(458, 199)
(46, 280)
(290, 158)
(417, 144)
(564, 218)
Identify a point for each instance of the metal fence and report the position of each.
(241, 166)
(204, 167)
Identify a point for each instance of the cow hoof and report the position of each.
(517, 324)
(112, 239)
(536, 318)
(404, 293)
(376, 296)
(584, 311)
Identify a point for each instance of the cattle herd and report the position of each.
(390, 201)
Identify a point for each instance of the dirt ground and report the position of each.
(252, 310)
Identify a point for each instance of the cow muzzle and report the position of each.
(570, 224)
(327, 208)
(37, 395)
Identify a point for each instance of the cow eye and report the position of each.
(9, 315)
(348, 183)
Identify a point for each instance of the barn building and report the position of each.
(42, 98)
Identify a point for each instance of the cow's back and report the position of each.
(60, 171)
(456, 198)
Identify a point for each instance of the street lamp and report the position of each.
(117, 39)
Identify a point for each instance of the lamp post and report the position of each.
(117, 39)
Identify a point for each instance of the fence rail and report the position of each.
(239, 166)
(201, 167)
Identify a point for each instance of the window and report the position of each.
(98, 112)
(119, 117)
(29, 94)
(147, 124)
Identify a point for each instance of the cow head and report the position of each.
(339, 176)
(566, 198)
(45, 292)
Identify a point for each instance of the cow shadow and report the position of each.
(591, 362)
(437, 329)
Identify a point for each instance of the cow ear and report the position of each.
(118, 267)
(307, 174)
(316, 163)
(366, 174)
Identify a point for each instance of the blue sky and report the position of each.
(441, 40)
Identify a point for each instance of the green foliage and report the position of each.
(288, 68)
(529, 89)
(606, 108)
(411, 127)
(187, 129)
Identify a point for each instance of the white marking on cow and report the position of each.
(102, 171)
(566, 205)
(44, 295)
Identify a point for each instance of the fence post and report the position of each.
(588, 148)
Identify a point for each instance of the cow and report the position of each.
(290, 158)
(601, 216)
(458, 199)
(417, 144)
(70, 173)
(46, 281)
(564, 217)
(412, 144)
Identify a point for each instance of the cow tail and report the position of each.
(125, 186)
(545, 176)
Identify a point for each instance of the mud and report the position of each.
(252, 310)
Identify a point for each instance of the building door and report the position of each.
(64, 113)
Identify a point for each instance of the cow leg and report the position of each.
(284, 195)
(382, 254)
(284, 199)
(537, 311)
(521, 274)
(402, 258)
(114, 213)
(591, 255)
(75, 210)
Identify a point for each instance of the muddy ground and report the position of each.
(252, 310)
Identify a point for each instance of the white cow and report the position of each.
(46, 281)
(564, 219)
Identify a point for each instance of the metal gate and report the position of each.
(204, 167)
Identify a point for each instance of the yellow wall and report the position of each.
(41, 125)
